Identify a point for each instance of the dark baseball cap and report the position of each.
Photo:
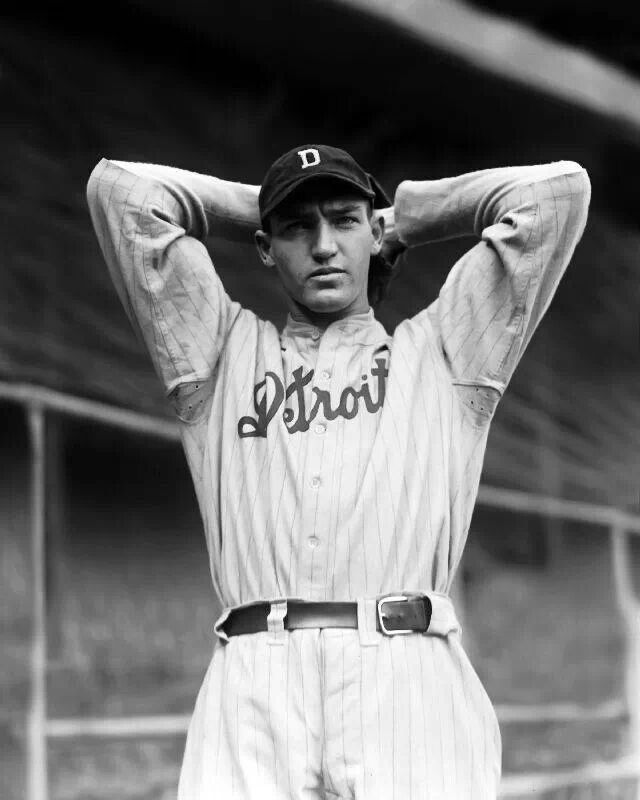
(312, 161)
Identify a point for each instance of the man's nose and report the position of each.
(324, 242)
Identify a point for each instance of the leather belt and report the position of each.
(395, 614)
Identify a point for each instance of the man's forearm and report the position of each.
(210, 206)
(428, 211)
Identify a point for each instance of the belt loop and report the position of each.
(275, 622)
(443, 616)
(367, 611)
(218, 625)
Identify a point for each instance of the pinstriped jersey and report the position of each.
(340, 462)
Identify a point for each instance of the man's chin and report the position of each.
(326, 301)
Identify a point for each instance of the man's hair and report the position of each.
(380, 274)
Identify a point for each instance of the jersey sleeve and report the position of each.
(529, 220)
(151, 222)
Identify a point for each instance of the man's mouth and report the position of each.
(325, 271)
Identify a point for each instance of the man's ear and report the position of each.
(263, 245)
(377, 228)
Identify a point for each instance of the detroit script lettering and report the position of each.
(296, 418)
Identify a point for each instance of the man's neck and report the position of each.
(301, 313)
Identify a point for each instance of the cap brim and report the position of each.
(377, 194)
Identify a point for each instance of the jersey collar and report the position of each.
(361, 329)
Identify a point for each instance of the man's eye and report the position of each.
(346, 221)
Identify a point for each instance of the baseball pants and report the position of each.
(324, 714)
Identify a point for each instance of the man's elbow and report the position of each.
(575, 187)
(114, 193)
(581, 190)
(580, 182)
(97, 189)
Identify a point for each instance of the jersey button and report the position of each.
(315, 334)
(325, 374)
(313, 542)
(320, 428)
(315, 481)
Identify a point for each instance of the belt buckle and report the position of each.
(391, 598)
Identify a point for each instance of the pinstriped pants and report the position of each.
(322, 715)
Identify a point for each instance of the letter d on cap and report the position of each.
(304, 157)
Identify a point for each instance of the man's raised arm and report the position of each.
(151, 222)
(530, 220)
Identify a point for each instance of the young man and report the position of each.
(336, 466)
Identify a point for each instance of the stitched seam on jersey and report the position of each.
(368, 344)
(156, 356)
(498, 387)
(192, 377)
(155, 304)
(221, 311)
(520, 308)
(238, 218)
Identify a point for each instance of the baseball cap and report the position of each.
(309, 161)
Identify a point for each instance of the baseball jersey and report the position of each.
(340, 463)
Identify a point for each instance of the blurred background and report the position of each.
(106, 608)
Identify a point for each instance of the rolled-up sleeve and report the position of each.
(529, 220)
(151, 223)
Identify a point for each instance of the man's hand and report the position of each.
(392, 247)
(384, 266)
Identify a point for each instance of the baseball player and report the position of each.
(336, 466)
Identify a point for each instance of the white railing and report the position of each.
(37, 401)
(597, 773)
(174, 724)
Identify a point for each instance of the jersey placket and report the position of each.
(321, 442)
